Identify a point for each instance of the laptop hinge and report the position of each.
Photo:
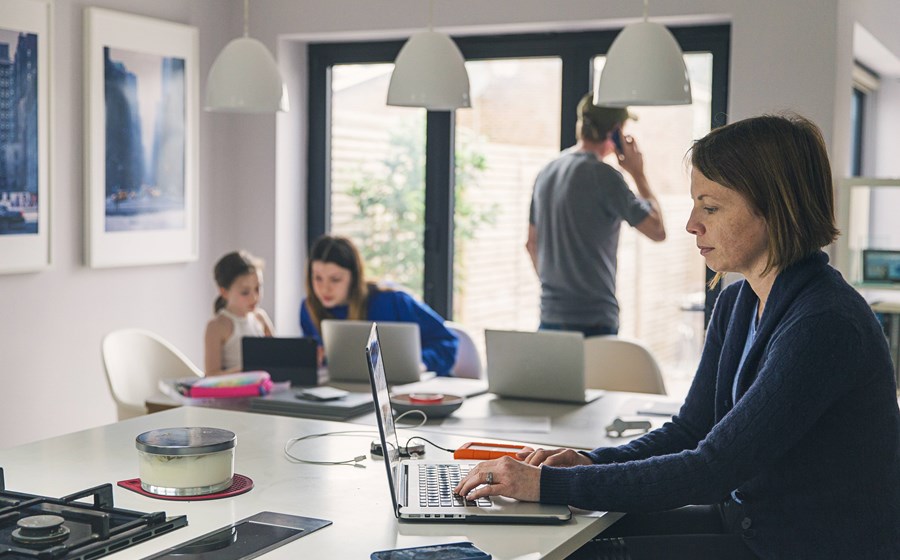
(402, 485)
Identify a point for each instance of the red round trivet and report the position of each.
(239, 485)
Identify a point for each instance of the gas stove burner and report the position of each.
(40, 530)
(85, 525)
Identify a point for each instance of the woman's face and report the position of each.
(730, 234)
(331, 283)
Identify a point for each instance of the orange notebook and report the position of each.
(482, 451)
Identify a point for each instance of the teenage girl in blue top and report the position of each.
(336, 288)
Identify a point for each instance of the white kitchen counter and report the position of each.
(357, 500)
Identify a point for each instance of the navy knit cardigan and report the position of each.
(812, 443)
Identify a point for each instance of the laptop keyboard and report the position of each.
(436, 484)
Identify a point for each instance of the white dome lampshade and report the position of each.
(245, 79)
(644, 66)
(430, 72)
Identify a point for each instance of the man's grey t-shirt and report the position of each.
(577, 207)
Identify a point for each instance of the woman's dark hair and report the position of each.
(231, 267)
(343, 253)
(779, 164)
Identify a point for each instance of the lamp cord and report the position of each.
(645, 9)
(247, 18)
(430, 15)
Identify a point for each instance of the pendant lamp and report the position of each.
(244, 77)
(430, 72)
(644, 66)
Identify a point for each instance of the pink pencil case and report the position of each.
(232, 385)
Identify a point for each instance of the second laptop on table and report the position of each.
(543, 365)
(345, 343)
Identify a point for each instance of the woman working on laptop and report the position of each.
(790, 435)
(336, 288)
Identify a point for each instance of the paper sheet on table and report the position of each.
(536, 424)
(658, 408)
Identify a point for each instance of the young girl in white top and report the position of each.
(239, 277)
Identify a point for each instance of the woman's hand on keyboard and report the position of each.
(554, 457)
(507, 476)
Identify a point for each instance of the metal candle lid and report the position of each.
(185, 441)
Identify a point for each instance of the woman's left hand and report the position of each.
(502, 477)
(561, 457)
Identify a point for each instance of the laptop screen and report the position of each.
(389, 445)
(881, 266)
(400, 344)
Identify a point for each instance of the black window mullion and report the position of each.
(439, 210)
(318, 190)
(859, 113)
(576, 81)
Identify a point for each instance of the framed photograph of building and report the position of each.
(24, 138)
(141, 97)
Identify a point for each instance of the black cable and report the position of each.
(355, 461)
(430, 442)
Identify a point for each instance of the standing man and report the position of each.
(577, 209)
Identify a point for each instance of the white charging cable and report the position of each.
(355, 461)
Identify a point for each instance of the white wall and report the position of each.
(50, 367)
(785, 55)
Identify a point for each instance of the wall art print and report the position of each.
(141, 97)
(24, 140)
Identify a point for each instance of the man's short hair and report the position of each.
(595, 123)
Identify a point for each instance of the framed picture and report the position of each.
(141, 140)
(24, 137)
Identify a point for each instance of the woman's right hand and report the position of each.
(560, 457)
(320, 355)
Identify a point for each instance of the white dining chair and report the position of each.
(135, 361)
(618, 364)
(468, 361)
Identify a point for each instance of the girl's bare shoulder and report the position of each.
(220, 325)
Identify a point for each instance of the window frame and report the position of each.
(858, 113)
(576, 51)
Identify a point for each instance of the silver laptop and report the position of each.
(409, 480)
(344, 341)
(543, 365)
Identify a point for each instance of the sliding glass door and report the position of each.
(377, 194)
(438, 201)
